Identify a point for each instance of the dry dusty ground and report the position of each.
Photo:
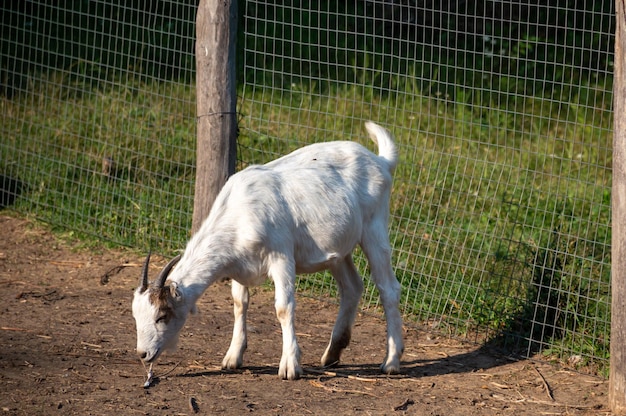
(67, 347)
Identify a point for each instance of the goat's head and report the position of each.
(160, 312)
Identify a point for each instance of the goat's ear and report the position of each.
(175, 291)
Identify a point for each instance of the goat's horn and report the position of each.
(144, 274)
(160, 280)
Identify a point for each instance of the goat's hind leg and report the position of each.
(234, 357)
(283, 273)
(377, 249)
(350, 287)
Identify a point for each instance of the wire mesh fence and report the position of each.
(99, 116)
(502, 111)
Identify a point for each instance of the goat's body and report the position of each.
(310, 205)
(302, 213)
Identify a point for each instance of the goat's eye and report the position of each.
(161, 319)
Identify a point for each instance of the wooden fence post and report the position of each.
(216, 100)
(617, 377)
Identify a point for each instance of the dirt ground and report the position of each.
(67, 341)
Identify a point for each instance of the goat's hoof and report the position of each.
(332, 355)
(330, 360)
(390, 369)
(231, 364)
(293, 374)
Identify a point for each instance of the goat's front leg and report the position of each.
(283, 274)
(234, 357)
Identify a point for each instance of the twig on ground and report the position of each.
(404, 406)
(335, 374)
(9, 328)
(543, 402)
(545, 384)
(76, 373)
(316, 383)
(115, 270)
(169, 371)
(68, 263)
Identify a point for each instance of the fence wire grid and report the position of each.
(502, 111)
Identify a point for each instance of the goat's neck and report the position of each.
(199, 268)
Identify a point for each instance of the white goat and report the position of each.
(302, 213)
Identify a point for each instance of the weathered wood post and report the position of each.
(216, 100)
(617, 376)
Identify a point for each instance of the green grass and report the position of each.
(500, 212)
(496, 203)
(57, 137)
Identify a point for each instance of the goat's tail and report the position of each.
(386, 147)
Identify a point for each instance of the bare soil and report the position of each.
(67, 341)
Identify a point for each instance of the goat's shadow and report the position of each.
(252, 369)
(482, 358)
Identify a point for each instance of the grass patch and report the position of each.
(116, 162)
(500, 215)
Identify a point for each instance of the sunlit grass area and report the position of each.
(500, 215)
(500, 212)
(116, 162)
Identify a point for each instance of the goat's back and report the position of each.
(312, 204)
